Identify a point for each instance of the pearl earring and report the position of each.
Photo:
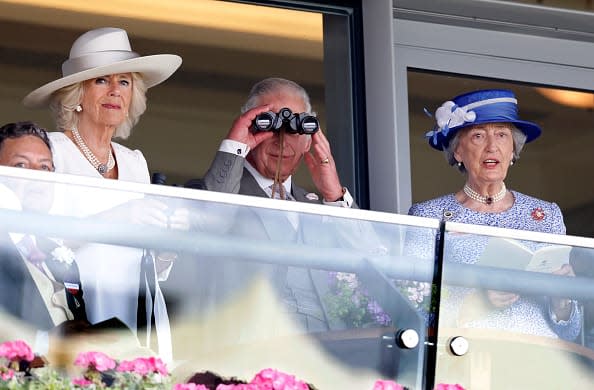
(459, 163)
(78, 108)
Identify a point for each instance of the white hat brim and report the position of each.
(154, 69)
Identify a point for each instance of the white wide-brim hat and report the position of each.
(102, 52)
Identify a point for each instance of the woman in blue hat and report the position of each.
(482, 136)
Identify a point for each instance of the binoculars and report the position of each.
(293, 123)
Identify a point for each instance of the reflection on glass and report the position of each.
(502, 334)
(245, 287)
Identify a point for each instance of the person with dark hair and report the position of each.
(23, 147)
(39, 278)
(482, 136)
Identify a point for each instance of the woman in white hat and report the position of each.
(101, 96)
(482, 136)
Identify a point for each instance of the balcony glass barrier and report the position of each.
(513, 314)
(226, 283)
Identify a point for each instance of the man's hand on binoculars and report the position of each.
(240, 130)
(321, 165)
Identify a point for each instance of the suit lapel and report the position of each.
(66, 275)
(275, 222)
(249, 185)
(20, 295)
(300, 195)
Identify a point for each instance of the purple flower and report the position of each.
(378, 314)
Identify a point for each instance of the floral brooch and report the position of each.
(63, 254)
(538, 214)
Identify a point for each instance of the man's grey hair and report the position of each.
(518, 136)
(274, 85)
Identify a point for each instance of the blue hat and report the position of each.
(474, 108)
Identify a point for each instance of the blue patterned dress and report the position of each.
(529, 315)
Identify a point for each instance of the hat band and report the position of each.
(451, 116)
(489, 101)
(496, 112)
(95, 60)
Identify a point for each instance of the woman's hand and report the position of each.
(501, 299)
(148, 211)
(179, 219)
(562, 306)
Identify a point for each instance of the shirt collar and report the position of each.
(265, 182)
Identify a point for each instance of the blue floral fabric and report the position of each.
(529, 315)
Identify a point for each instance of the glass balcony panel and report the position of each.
(505, 302)
(316, 291)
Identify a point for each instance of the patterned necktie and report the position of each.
(279, 192)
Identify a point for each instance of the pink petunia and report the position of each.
(158, 366)
(189, 386)
(445, 386)
(278, 380)
(125, 366)
(8, 375)
(16, 351)
(81, 382)
(244, 386)
(95, 360)
(386, 385)
(144, 366)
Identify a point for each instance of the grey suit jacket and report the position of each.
(301, 289)
(228, 174)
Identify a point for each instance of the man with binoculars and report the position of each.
(266, 143)
(262, 150)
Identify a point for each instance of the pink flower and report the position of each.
(126, 366)
(16, 351)
(8, 375)
(386, 385)
(138, 366)
(243, 386)
(144, 366)
(189, 386)
(81, 382)
(278, 380)
(95, 360)
(445, 386)
(159, 366)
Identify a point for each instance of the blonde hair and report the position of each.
(64, 101)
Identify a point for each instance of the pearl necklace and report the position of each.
(472, 194)
(89, 155)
